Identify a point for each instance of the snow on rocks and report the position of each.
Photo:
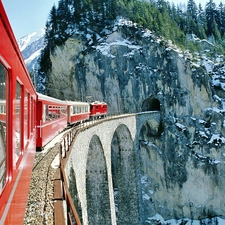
(158, 219)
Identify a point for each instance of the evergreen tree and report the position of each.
(51, 28)
(211, 17)
(63, 20)
(221, 21)
(76, 11)
(192, 10)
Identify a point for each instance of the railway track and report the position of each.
(40, 201)
(40, 209)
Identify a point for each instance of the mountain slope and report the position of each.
(30, 47)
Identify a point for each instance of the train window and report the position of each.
(74, 110)
(25, 117)
(54, 112)
(18, 120)
(44, 113)
(63, 110)
(31, 114)
(45, 116)
(3, 125)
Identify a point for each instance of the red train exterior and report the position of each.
(17, 127)
(51, 118)
(78, 112)
(28, 120)
(98, 109)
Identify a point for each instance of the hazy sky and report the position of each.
(27, 16)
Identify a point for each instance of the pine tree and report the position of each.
(51, 28)
(192, 10)
(63, 20)
(211, 15)
(221, 21)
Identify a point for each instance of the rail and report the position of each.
(64, 210)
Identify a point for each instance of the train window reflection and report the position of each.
(63, 110)
(3, 124)
(54, 112)
(18, 121)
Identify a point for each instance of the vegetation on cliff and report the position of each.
(163, 18)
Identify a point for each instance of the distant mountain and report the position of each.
(31, 46)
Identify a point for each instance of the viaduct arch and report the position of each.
(104, 172)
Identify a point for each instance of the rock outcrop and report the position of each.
(182, 155)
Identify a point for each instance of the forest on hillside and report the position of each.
(165, 19)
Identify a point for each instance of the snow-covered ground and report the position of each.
(159, 220)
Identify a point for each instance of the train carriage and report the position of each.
(51, 118)
(78, 112)
(17, 127)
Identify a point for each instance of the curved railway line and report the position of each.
(40, 207)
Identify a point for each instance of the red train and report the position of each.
(17, 127)
(54, 115)
(51, 118)
(27, 120)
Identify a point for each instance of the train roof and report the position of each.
(77, 103)
(98, 102)
(50, 99)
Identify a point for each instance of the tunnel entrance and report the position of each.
(151, 104)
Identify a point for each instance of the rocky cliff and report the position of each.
(182, 156)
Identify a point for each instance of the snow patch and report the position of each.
(217, 139)
(105, 48)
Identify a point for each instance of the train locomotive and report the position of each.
(28, 120)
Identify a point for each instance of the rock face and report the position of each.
(181, 156)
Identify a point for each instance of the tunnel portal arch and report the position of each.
(151, 104)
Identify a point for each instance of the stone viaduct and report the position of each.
(103, 170)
